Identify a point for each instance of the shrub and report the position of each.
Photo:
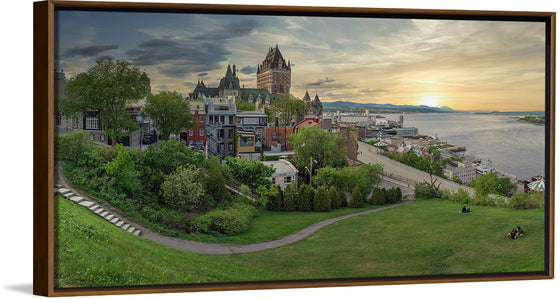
(377, 198)
(356, 201)
(526, 201)
(321, 201)
(290, 197)
(399, 193)
(305, 198)
(343, 199)
(122, 168)
(216, 184)
(184, 189)
(334, 197)
(391, 196)
(233, 220)
(72, 146)
(462, 196)
(425, 190)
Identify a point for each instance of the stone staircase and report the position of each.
(68, 194)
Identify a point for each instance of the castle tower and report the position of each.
(274, 74)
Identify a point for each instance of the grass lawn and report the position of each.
(427, 237)
(271, 225)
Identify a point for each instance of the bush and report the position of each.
(391, 196)
(184, 189)
(462, 196)
(425, 190)
(377, 198)
(216, 184)
(334, 198)
(72, 146)
(399, 193)
(305, 198)
(321, 201)
(357, 200)
(123, 169)
(231, 221)
(290, 197)
(526, 201)
(343, 199)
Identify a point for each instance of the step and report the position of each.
(131, 229)
(94, 207)
(114, 220)
(104, 214)
(86, 203)
(109, 217)
(58, 186)
(137, 232)
(68, 194)
(126, 226)
(119, 223)
(77, 199)
(63, 190)
(99, 211)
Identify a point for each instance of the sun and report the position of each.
(431, 101)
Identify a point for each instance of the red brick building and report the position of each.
(274, 74)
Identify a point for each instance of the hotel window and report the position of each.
(92, 123)
(201, 132)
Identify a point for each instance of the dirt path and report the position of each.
(223, 248)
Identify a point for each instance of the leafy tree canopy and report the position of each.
(107, 88)
(169, 112)
(320, 147)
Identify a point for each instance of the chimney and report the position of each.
(234, 70)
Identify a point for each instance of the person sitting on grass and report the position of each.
(468, 209)
(464, 210)
(519, 232)
(512, 235)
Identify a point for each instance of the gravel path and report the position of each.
(224, 248)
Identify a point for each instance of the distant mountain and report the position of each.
(404, 108)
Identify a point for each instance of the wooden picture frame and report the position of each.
(44, 125)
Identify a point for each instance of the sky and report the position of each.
(465, 65)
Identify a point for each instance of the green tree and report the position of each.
(391, 196)
(216, 184)
(169, 112)
(321, 202)
(377, 197)
(504, 186)
(365, 176)
(357, 200)
(184, 189)
(289, 107)
(334, 197)
(252, 173)
(485, 185)
(273, 196)
(305, 198)
(290, 197)
(399, 193)
(343, 200)
(107, 88)
(123, 170)
(320, 148)
(462, 196)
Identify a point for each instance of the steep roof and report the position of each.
(273, 60)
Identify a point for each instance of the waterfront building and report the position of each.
(284, 173)
(274, 73)
(462, 171)
(408, 131)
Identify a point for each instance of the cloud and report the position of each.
(372, 90)
(248, 70)
(89, 51)
(202, 74)
(320, 82)
(177, 57)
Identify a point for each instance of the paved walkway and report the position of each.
(201, 247)
(396, 170)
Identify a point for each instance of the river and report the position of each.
(515, 147)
